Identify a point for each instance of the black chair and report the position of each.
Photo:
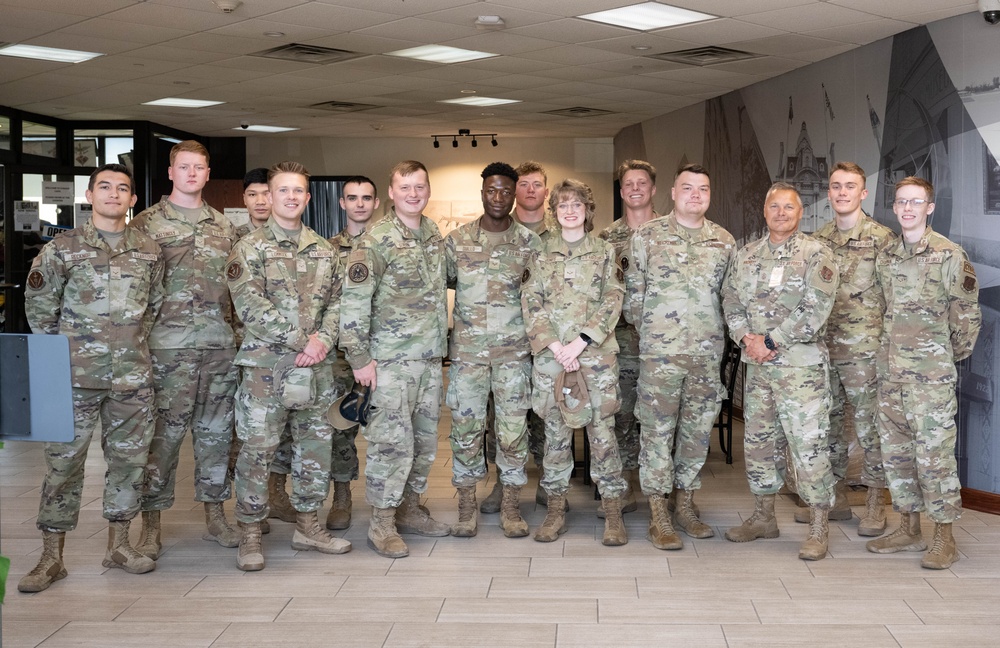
(727, 372)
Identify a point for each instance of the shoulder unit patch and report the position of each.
(234, 271)
(36, 280)
(358, 272)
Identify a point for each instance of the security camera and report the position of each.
(991, 11)
(244, 125)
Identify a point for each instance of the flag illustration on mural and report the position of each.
(826, 98)
(876, 122)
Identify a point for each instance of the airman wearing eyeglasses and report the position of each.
(932, 320)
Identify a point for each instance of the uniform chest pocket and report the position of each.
(279, 273)
(585, 274)
(90, 285)
(140, 275)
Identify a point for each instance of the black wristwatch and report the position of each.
(769, 343)
(586, 339)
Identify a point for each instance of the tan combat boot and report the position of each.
(943, 553)
(50, 567)
(218, 528)
(817, 542)
(121, 554)
(841, 509)
(614, 527)
(873, 522)
(492, 502)
(554, 524)
(661, 532)
(686, 518)
(277, 499)
(250, 556)
(339, 516)
(511, 522)
(310, 536)
(382, 534)
(906, 538)
(149, 544)
(466, 525)
(672, 503)
(411, 518)
(542, 498)
(762, 524)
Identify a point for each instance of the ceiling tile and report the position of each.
(416, 28)
(864, 33)
(572, 55)
(719, 32)
(808, 17)
(330, 17)
(572, 30)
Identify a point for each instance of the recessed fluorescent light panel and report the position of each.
(257, 128)
(48, 53)
(480, 101)
(648, 16)
(176, 102)
(441, 54)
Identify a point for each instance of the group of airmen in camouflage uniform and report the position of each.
(620, 334)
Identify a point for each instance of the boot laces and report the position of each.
(938, 545)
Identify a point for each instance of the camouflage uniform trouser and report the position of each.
(260, 419)
(678, 395)
(126, 422)
(536, 435)
(194, 388)
(788, 407)
(626, 424)
(344, 460)
(916, 424)
(469, 386)
(605, 462)
(853, 381)
(402, 429)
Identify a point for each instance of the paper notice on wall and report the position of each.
(238, 216)
(26, 217)
(58, 193)
(82, 213)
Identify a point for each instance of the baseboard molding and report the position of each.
(982, 501)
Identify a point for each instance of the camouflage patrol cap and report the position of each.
(573, 399)
(350, 409)
(294, 386)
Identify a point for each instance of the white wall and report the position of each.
(454, 173)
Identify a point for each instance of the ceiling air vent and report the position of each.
(343, 106)
(701, 56)
(578, 111)
(308, 54)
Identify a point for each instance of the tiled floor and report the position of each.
(492, 591)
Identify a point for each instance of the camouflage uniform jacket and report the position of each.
(569, 291)
(550, 226)
(787, 293)
(489, 324)
(855, 325)
(619, 234)
(284, 292)
(197, 312)
(103, 300)
(673, 281)
(395, 301)
(344, 243)
(932, 315)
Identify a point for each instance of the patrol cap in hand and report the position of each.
(350, 409)
(573, 399)
(294, 386)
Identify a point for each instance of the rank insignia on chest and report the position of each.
(358, 272)
(525, 275)
(36, 280)
(624, 263)
(826, 274)
(234, 271)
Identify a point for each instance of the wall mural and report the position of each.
(925, 102)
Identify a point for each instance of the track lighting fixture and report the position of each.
(465, 132)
